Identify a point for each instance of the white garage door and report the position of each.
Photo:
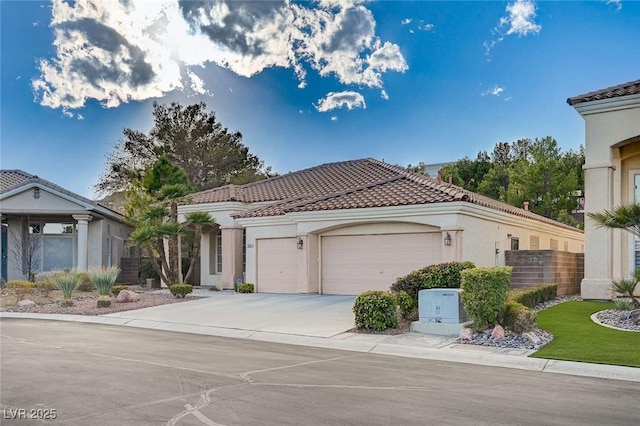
(277, 265)
(356, 263)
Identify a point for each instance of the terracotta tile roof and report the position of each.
(625, 89)
(352, 184)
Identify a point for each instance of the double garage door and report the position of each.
(350, 264)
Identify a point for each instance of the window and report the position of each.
(53, 244)
(219, 252)
(534, 243)
(515, 243)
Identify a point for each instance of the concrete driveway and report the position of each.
(302, 315)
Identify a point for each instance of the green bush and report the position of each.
(518, 318)
(245, 288)
(406, 305)
(375, 310)
(442, 275)
(484, 291)
(181, 290)
(116, 289)
(623, 304)
(20, 288)
(533, 295)
(146, 269)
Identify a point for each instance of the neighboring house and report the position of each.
(612, 178)
(350, 226)
(53, 228)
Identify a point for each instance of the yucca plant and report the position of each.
(103, 279)
(66, 282)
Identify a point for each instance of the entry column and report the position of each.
(83, 241)
(232, 247)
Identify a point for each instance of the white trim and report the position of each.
(608, 105)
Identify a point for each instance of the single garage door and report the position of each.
(277, 265)
(356, 263)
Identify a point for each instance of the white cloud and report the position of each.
(519, 20)
(334, 118)
(384, 95)
(494, 91)
(406, 21)
(115, 52)
(197, 84)
(425, 27)
(616, 3)
(335, 100)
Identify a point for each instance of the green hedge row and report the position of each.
(533, 295)
(484, 291)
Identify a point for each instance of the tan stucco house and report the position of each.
(612, 178)
(346, 227)
(62, 229)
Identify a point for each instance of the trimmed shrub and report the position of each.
(518, 318)
(116, 289)
(442, 275)
(533, 295)
(20, 288)
(245, 288)
(375, 310)
(484, 291)
(181, 290)
(406, 305)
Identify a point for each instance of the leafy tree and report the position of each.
(189, 137)
(197, 220)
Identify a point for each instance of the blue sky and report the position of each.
(304, 82)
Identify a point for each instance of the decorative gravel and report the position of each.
(618, 319)
(87, 305)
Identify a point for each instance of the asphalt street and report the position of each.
(92, 374)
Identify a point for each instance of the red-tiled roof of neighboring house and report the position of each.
(364, 183)
(625, 89)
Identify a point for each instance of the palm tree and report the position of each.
(626, 217)
(198, 220)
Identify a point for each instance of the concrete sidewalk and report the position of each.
(323, 322)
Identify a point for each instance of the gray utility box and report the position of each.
(441, 305)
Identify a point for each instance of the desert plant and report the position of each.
(245, 288)
(103, 279)
(84, 282)
(181, 290)
(627, 287)
(375, 310)
(20, 288)
(623, 304)
(484, 291)
(66, 282)
(116, 289)
(45, 287)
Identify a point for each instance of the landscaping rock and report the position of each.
(126, 296)
(26, 302)
(466, 334)
(532, 338)
(498, 332)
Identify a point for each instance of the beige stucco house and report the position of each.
(346, 227)
(612, 178)
(61, 229)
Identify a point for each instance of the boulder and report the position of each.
(532, 338)
(127, 296)
(26, 302)
(498, 332)
(466, 334)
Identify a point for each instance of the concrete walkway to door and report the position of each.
(240, 314)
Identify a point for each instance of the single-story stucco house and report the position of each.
(52, 228)
(350, 226)
(612, 178)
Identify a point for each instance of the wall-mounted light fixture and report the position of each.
(300, 243)
(447, 239)
(36, 192)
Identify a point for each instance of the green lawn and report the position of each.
(577, 338)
